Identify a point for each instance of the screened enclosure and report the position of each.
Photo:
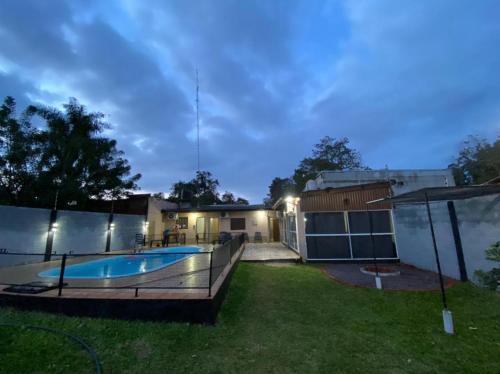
(288, 222)
(347, 235)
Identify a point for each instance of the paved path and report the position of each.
(268, 252)
(410, 278)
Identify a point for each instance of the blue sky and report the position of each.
(406, 81)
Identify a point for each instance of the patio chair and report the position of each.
(258, 237)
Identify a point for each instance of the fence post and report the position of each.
(50, 235)
(210, 276)
(61, 274)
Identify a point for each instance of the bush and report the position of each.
(491, 279)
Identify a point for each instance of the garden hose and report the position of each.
(76, 339)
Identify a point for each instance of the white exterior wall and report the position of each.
(126, 226)
(25, 230)
(255, 221)
(80, 232)
(156, 221)
(479, 225)
(301, 232)
(414, 238)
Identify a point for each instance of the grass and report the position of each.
(277, 320)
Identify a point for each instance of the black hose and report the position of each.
(76, 339)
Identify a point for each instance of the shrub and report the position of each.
(491, 279)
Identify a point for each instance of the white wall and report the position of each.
(80, 232)
(126, 226)
(24, 230)
(414, 238)
(479, 224)
(255, 221)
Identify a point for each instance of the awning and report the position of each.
(440, 194)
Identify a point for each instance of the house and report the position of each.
(205, 223)
(196, 224)
(331, 221)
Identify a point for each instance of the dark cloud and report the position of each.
(405, 82)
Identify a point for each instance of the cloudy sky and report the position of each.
(405, 81)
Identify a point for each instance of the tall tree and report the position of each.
(19, 156)
(241, 201)
(328, 154)
(280, 187)
(228, 198)
(201, 190)
(76, 161)
(477, 162)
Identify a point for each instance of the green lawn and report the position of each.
(277, 320)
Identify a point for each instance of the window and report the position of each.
(237, 224)
(183, 222)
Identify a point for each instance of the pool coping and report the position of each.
(171, 305)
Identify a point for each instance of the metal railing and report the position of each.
(176, 270)
(201, 238)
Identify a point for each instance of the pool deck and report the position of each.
(183, 296)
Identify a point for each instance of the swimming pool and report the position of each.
(124, 266)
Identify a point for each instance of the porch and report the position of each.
(277, 252)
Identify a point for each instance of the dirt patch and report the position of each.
(141, 348)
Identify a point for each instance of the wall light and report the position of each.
(54, 227)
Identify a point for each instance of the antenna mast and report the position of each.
(197, 122)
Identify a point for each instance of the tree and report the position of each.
(69, 158)
(328, 154)
(201, 190)
(182, 192)
(241, 201)
(19, 156)
(280, 187)
(228, 198)
(478, 161)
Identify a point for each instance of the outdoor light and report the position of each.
(289, 199)
(53, 227)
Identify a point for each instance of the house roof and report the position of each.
(222, 208)
(441, 194)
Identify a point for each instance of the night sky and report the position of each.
(405, 81)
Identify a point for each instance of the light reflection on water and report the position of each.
(126, 265)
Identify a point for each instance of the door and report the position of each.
(201, 228)
(213, 229)
(276, 230)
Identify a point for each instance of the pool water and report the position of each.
(124, 266)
